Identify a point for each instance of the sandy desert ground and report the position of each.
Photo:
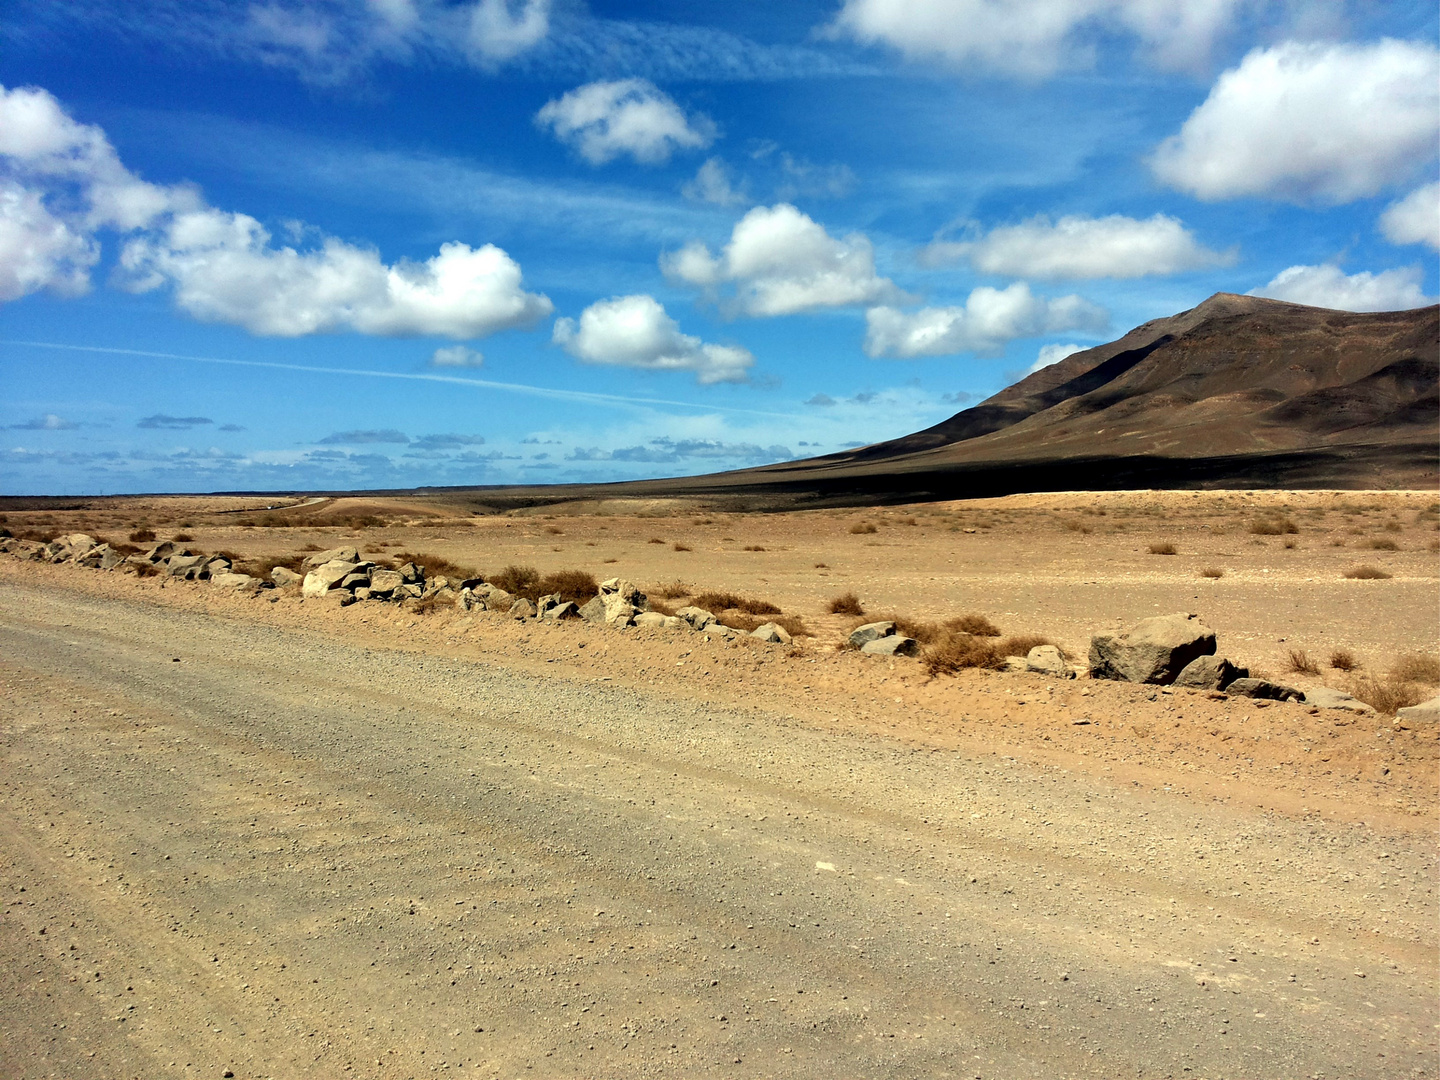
(579, 851)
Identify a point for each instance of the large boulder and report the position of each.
(189, 567)
(284, 577)
(566, 609)
(773, 633)
(698, 618)
(863, 635)
(1427, 712)
(1155, 650)
(411, 574)
(626, 591)
(891, 645)
(162, 551)
(522, 609)
(618, 610)
(1210, 673)
(656, 621)
(1326, 698)
(324, 578)
(340, 554)
(1047, 660)
(1264, 690)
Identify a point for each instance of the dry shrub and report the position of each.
(261, 568)
(973, 623)
(822, 566)
(1394, 526)
(143, 536)
(753, 547)
(1366, 572)
(435, 565)
(863, 528)
(909, 521)
(1343, 660)
(1273, 525)
(145, 569)
(1299, 663)
(431, 605)
(1212, 572)
(1389, 695)
(182, 538)
(957, 651)
(1021, 644)
(846, 604)
(1163, 549)
(1072, 525)
(660, 606)
(577, 586)
(312, 547)
(554, 531)
(681, 547)
(717, 602)
(1289, 545)
(517, 581)
(670, 590)
(1416, 668)
(655, 540)
(1383, 543)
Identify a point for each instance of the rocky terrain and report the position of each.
(305, 792)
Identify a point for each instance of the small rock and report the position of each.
(1326, 698)
(593, 610)
(872, 631)
(284, 577)
(771, 632)
(232, 581)
(522, 609)
(566, 609)
(1047, 660)
(340, 554)
(891, 645)
(626, 591)
(698, 618)
(1427, 712)
(385, 582)
(1210, 673)
(1264, 690)
(411, 574)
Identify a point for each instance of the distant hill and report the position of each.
(1238, 392)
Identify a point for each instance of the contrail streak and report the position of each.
(585, 396)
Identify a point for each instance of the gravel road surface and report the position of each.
(230, 848)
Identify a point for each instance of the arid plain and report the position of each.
(1263, 873)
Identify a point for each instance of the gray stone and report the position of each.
(363, 593)
(162, 551)
(1014, 663)
(871, 631)
(618, 610)
(698, 618)
(384, 582)
(593, 610)
(340, 554)
(79, 542)
(1047, 660)
(656, 621)
(284, 577)
(227, 580)
(434, 584)
(188, 567)
(1326, 698)
(1153, 651)
(566, 609)
(355, 581)
(1427, 712)
(522, 609)
(627, 591)
(546, 602)
(891, 645)
(1210, 673)
(498, 599)
(411, 574)
(324, 578)
(771, 632)
(412, 591)
(1264, 690)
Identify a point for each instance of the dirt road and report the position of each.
(228, 846)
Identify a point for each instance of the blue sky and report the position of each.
(389, 243)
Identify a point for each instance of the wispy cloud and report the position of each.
(162, 422)
(359, 438)
(48, 422)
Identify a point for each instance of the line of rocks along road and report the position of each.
(288, 856)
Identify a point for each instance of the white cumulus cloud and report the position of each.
(224, 268)
(1303, 122)
(712, 185)
(1035, 37)
(780, 262)
(603, 120)
(1328, 286)
(989, 319)
(635, 331)
(1053, 354)
(61, 181)
(457, 356)
(1415, 219)
(1082, 248)
(501, 30)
